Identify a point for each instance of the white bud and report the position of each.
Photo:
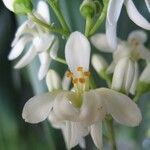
(54, 48)
(9, 4)
(53, 80)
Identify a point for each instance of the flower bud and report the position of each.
(22, 6)
(53, 80)
(88, 8)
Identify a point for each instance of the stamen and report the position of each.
(87, 73)
(81, 80)
(80, 69)
(75, 81)
(69, 74)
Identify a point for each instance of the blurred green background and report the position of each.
(17, 86)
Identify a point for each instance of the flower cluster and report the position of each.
(73, 104)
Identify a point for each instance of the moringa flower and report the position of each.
(125, 59)
(81, 111)
(32, 36)
(114, 10)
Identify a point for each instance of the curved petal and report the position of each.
(96, 134)
(77, 52)
(114, 10)
(27, 58)
(66, 82)
(43, 10)
(64, 108)
(119, 74)
(135, 16)
(45, 63)
(9, 4)
(53, 80)
(111, 34)
(38, 107)
(43, 42)
(145, 74)
(148, 4)
(100, 42)
(136, 75)
(19, 47)
(92, 109)
(111, 68)
(144, 53)
(99, 63)
(121, 107)
(139, 35)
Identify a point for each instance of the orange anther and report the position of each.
(81, 80)
(87, 73)
(69, 74)
(80, 69)
(75, 81)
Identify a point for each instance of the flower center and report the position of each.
(80, 80)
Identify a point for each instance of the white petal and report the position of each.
(99, 63)
(19, 47)
(27, 58)
(144, 52)
(121, 107)
(135, 16)
(129, 76)
(119, 73)
(100, 42)
(43, 42)
(54, 48)
(96, 134)
(138, 35)
(114, 10)
(63, 107)
(77, 51)
(148, 4)
(66, 82)
(92, 109)
(43, 10)
(111, 34)
(82, 143)
(145, 76)
(111, 68)
(45, 61)
(38, 108)
(9, 4)
(136, 75)
(53, 80)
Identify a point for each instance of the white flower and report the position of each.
(125, 59)
(114, 10)
(9, 4)
(81, 111)
(32, 36)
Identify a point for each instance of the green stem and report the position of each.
(136, 98)
(60, 60)
(111, 133)
(48, 26)
(100, 20)
(88, 25)
(59, 15)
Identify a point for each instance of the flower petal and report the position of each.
(66, 82)
(135, 16)
(99, 63)
(64, 108)
(100, 42)
(114, 10)
(38, 108)
(96, 134)
(139, 35)
(121, 107)
(45, 62)
(144, 52)
(43, 10)
(53, 80)
(77, 51)
(111, 34)
(27, 58)
(92, 108)
(119, 73)
(148, 4)
(145, 74)
(9, 4)
(19, 47)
